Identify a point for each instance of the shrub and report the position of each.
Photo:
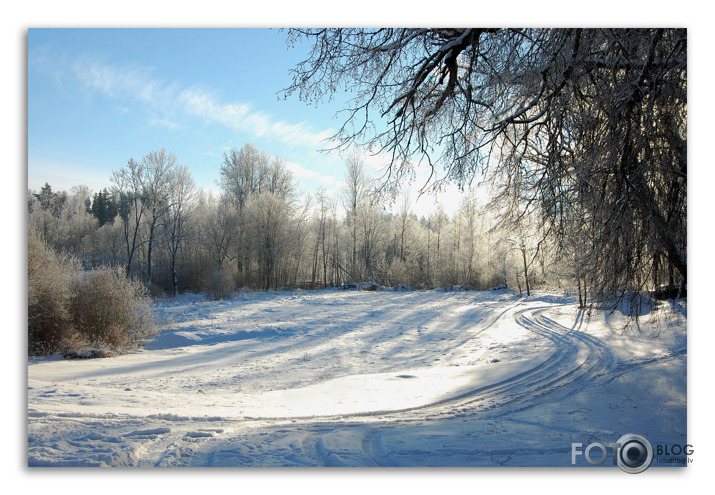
(109, 309)
(48, 296)
(81, 313)
(219, 285)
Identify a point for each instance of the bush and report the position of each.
(48, 296)
(81, 313)
(219, 285)
(109, 309)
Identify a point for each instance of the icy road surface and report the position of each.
(347, 378)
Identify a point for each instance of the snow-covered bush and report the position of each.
(219, 285)
(48, 296)
(110, 309)
(70, 310)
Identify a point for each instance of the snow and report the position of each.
(358, 378)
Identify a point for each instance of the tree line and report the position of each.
(259, 232)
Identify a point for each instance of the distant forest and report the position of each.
(259, 233)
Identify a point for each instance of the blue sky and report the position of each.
(97, 97)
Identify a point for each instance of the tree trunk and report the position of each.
(150, 246)
(526, 272)
(174, 281)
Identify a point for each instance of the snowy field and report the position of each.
(348, 378)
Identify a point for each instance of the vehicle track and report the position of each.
(578, 361)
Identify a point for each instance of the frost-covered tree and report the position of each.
(354, 197)
(219, 225)
(468, 212)
(128, 188)
(246, 172)
(53, 202)
(62, 219)
(108, 241)
(319, 224)
(243, 172)
(270, 222)
(45, 210)
(586, 124)
(161, 180)
(179, 222)
(79, 224)
(147, 190)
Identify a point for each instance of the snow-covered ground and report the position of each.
(348, 378)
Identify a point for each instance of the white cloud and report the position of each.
(201, 104)
(164, 98)
(244, 118)
(117, 82)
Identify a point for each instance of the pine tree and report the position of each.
(104, 207)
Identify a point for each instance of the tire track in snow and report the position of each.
(579, 361)
(373, 448)
(584, 360)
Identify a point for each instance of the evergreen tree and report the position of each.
(52, 202)
(104, 207)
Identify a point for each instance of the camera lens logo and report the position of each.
(635, 453)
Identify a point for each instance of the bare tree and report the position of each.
(356, 185)
(178, 217)
(159, 183)
(243, 171)
(128, 187)
(146, 190)
(220, 227)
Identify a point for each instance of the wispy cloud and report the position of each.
(244, 118)
(169, 102)
(118, 82)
